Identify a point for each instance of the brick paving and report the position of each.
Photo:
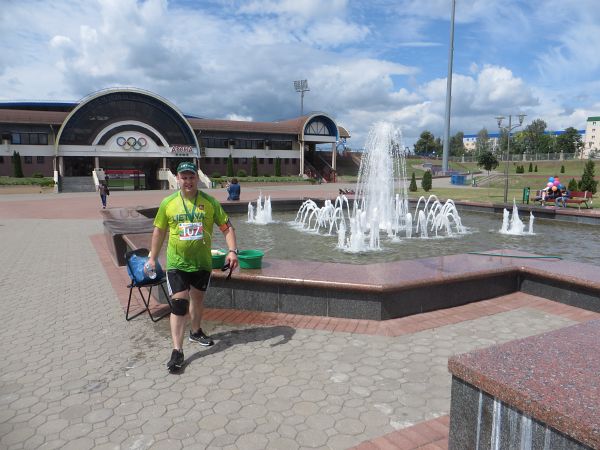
(77, 375)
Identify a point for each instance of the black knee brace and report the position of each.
(180, 306)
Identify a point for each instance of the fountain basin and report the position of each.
(395, 289)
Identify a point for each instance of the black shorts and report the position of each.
(178, 280)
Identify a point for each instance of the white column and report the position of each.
(301, 157)
(333, 156)
(96, 162)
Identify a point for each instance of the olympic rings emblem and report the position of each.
(131, 143)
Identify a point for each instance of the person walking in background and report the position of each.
(104, 192)
(188, 216)
(234, 190)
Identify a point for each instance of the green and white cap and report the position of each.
(187, 166)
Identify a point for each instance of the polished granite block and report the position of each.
(355, 306)
(552, 378)
(561, 292)
(265, 299)
(218, 297)
(449, 294)
(478, 420)
(302, 301)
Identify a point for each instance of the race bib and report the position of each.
(190, 231)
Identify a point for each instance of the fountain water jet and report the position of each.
(381, 202)
(513, 225)
(262, 214)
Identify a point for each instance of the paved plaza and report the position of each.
(76, 375)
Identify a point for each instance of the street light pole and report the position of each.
(301, 86)
(508, 129)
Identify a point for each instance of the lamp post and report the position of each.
(508, 129)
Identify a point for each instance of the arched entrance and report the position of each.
(129, 133)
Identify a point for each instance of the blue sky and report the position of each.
(365, 61)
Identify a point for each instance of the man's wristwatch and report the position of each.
(235, 250)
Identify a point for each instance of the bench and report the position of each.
(576, 198)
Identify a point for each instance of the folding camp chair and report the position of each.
(146, 283)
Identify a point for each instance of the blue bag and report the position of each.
(136, 259)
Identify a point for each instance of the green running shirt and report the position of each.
(190, 229)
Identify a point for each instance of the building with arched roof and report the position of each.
(132, 133)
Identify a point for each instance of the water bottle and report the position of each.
(150, 271)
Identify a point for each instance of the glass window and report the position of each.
(286, 161)
(281, 145)
(27, 159)
(43, 139)
(15, 138)
(271, 161)
(261, 160)
(1, 159)
(33, 139)
(236, 160)
(39, 159)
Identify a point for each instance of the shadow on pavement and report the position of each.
(227, 339)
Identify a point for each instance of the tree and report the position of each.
(573, 185)
(457, 145)
(17, 167)
(530, 167)
(535, 141)
(488, 161)
(569, 141)
(426, 181)
(230, 166)
(562, 169)
(587, 182)
(254, 169)
(426, 144)
(278, 166)
(413, 184)
(482, 143)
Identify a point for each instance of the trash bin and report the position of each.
(525, 195)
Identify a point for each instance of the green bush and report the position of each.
(216, 175)
(242, 173)
(266, 175)
(535, 168)
(413, 184)
(38, 175)
(254, 169)
(530, 167)
(562, 169)
(26, 181)
(278, 166)
(17, 167)
(573, 185)
(426, 181)
(230, 166)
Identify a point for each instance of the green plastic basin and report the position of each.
(218, 258)
(250, 259)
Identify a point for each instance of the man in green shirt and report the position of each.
(188, 216)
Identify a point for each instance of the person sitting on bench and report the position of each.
(234, 190)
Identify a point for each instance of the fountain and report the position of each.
(262, 214)
(381, 203)
(514, 225)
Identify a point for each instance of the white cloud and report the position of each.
(364, 62)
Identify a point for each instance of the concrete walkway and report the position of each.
(76, 375)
